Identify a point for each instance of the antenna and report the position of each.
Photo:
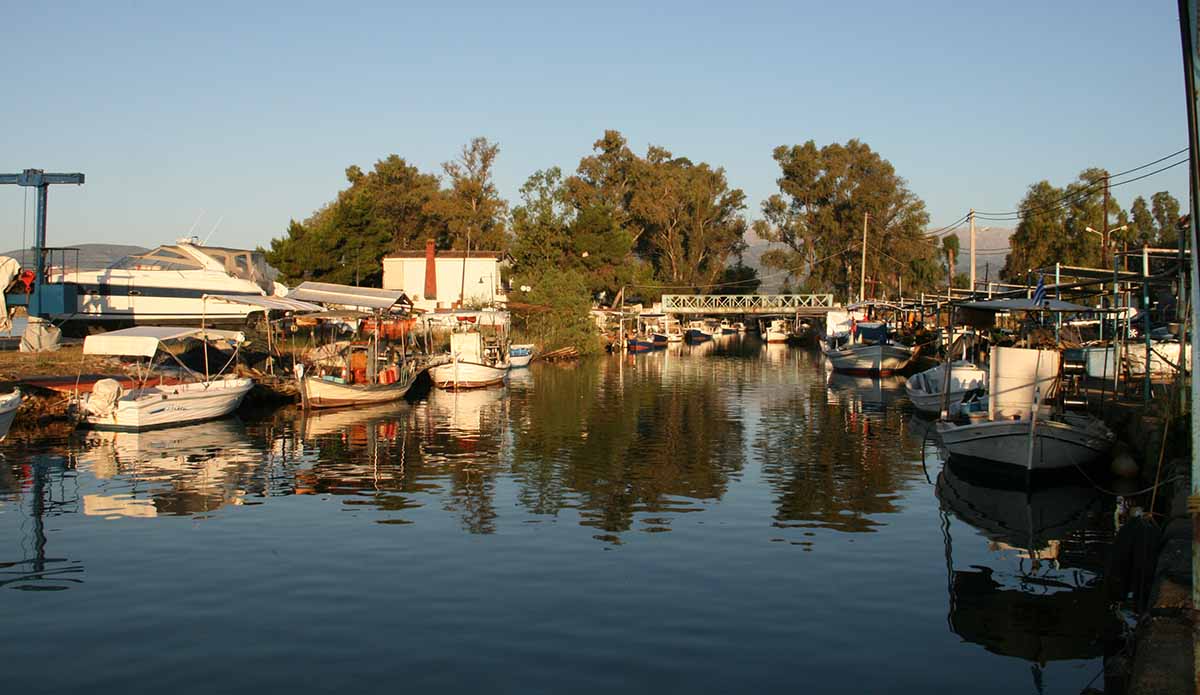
(193, 227)
(210, 232)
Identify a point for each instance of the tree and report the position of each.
(1141, 222)
(818, 215)
(472, 208)
(1165, 209)
(1054, 222)
(950, 245)
(345, 240)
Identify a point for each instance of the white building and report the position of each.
(474, 278)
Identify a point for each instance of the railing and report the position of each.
(746, 303)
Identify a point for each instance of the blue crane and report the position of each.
(36, 178)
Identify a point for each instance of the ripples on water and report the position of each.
(710, 519)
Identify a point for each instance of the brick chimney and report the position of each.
(430, 271)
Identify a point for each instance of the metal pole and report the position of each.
(1146, 322)
(862, 271)
(972, 217)
(1104, 219)
(35, 302)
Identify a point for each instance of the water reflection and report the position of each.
(47, 487)
(1035, 592)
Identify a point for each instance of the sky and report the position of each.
(227, 120)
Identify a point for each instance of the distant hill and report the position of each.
(988, 245)
(91, 256)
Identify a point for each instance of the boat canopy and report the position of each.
(348, 296)
(143, 341)
(1025, 304)
(266, 303)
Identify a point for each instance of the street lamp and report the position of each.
(491, 289)
(1105, 238)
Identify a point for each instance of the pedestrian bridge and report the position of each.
(804, 304)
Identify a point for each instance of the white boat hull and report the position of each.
(167, 406)
(773, 336)
(9, 403)
(870, 359)
(1057, 445)
(319, 393)
(925, 389)
(518, 361)
(467, 375)
(158, 297)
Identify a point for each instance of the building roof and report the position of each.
(345, 295)
(455, 254)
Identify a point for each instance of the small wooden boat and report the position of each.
(697, 332)
(872, 352)
(739, 327)
(727, 328)
(1019, 432)
(777, 331)
(925, 389)
(660, 340)
(112, 406)
(391, 384)
(639, 344)
(475, 363)
(520, 355)
(9, 403)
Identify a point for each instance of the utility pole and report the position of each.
(971, 215)
(1104, 224)
(862, 270)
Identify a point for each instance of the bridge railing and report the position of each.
(745, 303)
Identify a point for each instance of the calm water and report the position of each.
(711, 519)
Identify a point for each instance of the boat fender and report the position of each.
(1131, 561)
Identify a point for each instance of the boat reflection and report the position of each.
(45, 481)
(1036, 592)
(867, 394)
(178, 471)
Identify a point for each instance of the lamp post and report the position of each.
(491, 289)
(1105, 237)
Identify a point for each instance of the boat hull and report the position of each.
(925, 389)
(639, 345)
(467, 375)
(319, 393)
(870, 359)
(9, 403)
(520, 356)
(1056, 446)
(693, 335)
(169, 406)
(773, 336)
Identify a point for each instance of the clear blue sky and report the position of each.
(251, 112)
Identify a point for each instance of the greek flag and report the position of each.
(1039, 295)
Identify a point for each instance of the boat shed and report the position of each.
(346, 296)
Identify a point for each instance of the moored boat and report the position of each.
(925, 389)
(777, 331)
(727, 328)
(639, 343)
(872, 352)
(9, 403)
(520, 355)
(697, 332)
(475, 363)
(111, 406)
(1020, 432)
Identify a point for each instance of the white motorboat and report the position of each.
(112, 406)
(870, 352)
(475, 363)
(778, 331)
(166, 286)
(1019, 430)
(9, 403)
(520, 355)
(925, 388)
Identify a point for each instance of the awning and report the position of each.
(1024, 304)
(346, 295)
(267, 303)
(143, 341)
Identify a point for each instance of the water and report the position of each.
(712, 519)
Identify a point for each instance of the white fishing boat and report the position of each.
(9, 403)
(166, 286)
(520, 355)
(870, 351)
(925, 388)
(331, 391)
(674, 330)
(474, 363)
(777, 331)
(112, 406)
(1019, 431)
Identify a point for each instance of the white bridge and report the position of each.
(805, 304)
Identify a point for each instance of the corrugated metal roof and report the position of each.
(346, 295)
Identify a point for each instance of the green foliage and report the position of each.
(554, 311)
(1166, 219)
(1054, 222)
(818, 214)
(1141, 222)
(739, 279)
(394, 206)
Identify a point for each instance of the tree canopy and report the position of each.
(817, 216)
